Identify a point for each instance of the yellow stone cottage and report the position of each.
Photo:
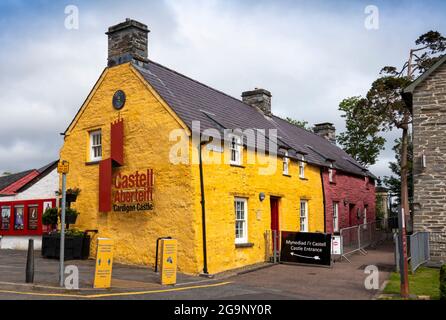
(167, 118)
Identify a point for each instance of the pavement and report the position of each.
(343, 281)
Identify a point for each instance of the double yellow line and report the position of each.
(117, 294)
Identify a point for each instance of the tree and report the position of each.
(386, 102)
(393, 182)
(298, 123)
(361, 139)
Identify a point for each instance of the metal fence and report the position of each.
(358, 238)
(272, 245)
(422, 247)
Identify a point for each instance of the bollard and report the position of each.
(30, 262)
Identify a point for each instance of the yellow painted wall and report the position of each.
(147, 125)
(224, 182)
(177, 209)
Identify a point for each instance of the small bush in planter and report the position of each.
(49, 217)
(71, 194)
(70, 215)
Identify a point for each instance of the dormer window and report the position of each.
(302, 168)
(286, 162)
(236, 150)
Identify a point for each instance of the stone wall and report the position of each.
(429, 128)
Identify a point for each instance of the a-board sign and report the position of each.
(104, 263)
(168, 264)
(306, 248)
(336, 245)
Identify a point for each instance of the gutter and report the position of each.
(203, 206)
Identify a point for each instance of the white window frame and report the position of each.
(364, 221)
(286, 164)
(302, 168)
(330, 175)
(335, 216)
(237, 150)
(303, 215)
(94, 145)
(244, 221)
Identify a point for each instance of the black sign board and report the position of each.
(306, 248)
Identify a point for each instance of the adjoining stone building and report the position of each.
(427, 97)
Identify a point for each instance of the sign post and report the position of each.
(104, 263)
(168, 263)
(404, 277)
(62, 168)
(306, 248)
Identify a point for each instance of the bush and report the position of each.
(443, 282)
(71, 212)
(50, 216)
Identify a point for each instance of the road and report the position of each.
(344, 281)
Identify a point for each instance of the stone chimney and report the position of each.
(127, 41)
(259, 98)
(326, 130)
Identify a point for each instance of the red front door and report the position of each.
(275, 220)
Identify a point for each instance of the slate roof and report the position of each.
(194, 101)
(10, 179)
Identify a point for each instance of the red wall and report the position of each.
(25, 203)
(351, 192)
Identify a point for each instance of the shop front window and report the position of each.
(6, 218)
(19, 223)
(33, 218)
(241, 225)
(95, 145)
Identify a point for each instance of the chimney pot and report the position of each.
(259, 98)
(326, 130)
(127, 41)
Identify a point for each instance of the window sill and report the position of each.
(286, 175)
(92, 163)
(332, 182)
(244, 245)
(237, 165)
(305, 179)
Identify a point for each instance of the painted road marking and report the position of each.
(117, 294)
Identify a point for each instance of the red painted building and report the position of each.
(24, 196)
(349, 199)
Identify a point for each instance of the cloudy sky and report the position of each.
(309, 54)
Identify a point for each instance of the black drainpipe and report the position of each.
(203, 207)
(323, 199)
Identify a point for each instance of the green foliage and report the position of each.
(301, 124)
(50, 216)
(75, 233)
(425, 281)
(443, 282)
(393, 182)
(361, 139)
(71, 212)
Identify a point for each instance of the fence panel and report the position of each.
(419, 249)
